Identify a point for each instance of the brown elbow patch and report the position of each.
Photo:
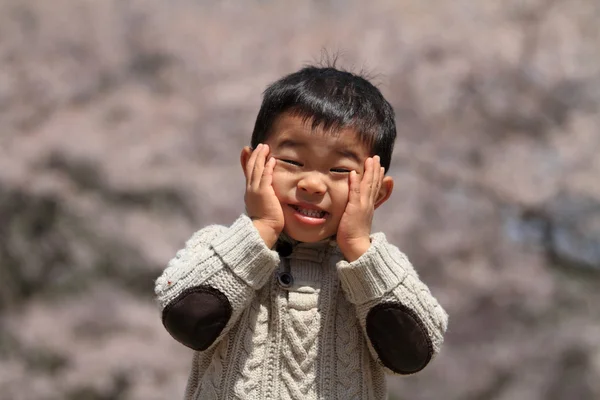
(399, 337)
(197, 316)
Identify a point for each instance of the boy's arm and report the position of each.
(210, 282)
(403, 323)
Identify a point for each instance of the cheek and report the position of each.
(339, 196)
(279, 183)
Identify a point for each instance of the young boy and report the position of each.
(297, 299)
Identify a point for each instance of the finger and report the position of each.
(259, 166)
(376, 178)
(354, 192)
(267, 178)
(373, 189)
(379, 183)
(367, 181)
(250, 165)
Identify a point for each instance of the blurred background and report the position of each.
(121, 124)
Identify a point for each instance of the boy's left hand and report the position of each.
(353, 235)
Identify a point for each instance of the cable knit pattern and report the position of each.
(200, 364)
(299, 350)
(252, 353)
(211, 381)
(347, 351)
(303, 342)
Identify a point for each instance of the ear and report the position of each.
(385, 191)
(244, 157)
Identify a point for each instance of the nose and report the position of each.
(312, 184)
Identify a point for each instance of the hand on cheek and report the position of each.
(353, 235)
(262, 204)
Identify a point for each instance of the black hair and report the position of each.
(331, 99)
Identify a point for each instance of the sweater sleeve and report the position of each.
(403, 323)
(210, 282)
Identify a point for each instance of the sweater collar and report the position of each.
(316, 251)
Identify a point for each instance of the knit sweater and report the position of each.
(299, 324)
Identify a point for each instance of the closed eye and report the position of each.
(341, 170)
(292, 162)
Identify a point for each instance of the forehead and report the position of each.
(295, 131)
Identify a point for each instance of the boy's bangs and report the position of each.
(332, 124)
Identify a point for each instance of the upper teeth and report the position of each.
(310, 213)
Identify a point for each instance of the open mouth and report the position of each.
(309, 212)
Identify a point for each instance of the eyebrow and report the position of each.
(344, 152)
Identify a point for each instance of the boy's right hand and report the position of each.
(262, 205)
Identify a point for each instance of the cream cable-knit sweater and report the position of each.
(308, 341)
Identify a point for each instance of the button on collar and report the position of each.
(285, 279)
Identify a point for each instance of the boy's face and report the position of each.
(311, 176)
